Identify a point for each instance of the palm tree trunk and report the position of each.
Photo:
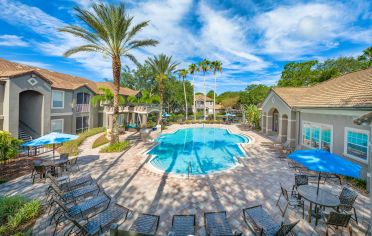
(184, 91)
(116, 67)
(194, 107)
(205, 99)
(214, 98)
(161, 88)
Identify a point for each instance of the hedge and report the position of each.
(116, 147)
(100, 141)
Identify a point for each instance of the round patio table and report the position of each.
(323, 199)
(52, 164)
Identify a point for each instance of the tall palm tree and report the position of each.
(204, 66)
(216, 66)
(182, 74)
(110, 31)
(162, 67)
(192, 69)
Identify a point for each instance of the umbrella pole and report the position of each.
(317, 190)
(54, 148)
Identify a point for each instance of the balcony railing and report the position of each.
(82, 108)
(135, 109)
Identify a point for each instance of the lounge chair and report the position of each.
(183, 225)
(100, 223)
(261, 223)
(145, 224)
(347, 199)
(67, 184)
(216, 223)
(292, 200)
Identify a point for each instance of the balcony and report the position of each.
(140, 109)
(82, 108)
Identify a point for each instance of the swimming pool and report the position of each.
(205, 150)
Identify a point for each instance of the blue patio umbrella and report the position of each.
(229, 114)
(323, 161)
(165, 115)
(50, 139)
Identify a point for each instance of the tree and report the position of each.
(106, 97)
(297, 74)
(182, 74)
(145, 98)
(204, 66)
(192, 69)
(229, 99)
(254, 94)
(211, 94)
(109, 31)
(253, 115)
(366, 56)
(9, 146)
(162, 67)
(140, 78)
(215, 66)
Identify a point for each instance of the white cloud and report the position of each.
(12, 41)
(34, 63)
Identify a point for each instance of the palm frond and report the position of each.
(84, 48)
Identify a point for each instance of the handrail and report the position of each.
(26, 126)
(189, 170)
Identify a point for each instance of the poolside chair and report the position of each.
(145, 224)
(100, 223)
(73, 163)
(333, 220)
(67, 184)
(292, 200)
(183, 225)
(347, 199)
(300, 179)
(216, 223)
(38, 170)
(261, 223)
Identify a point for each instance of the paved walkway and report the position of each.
(126, 177)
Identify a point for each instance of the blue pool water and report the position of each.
(207, 149)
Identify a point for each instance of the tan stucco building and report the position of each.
(323, 116)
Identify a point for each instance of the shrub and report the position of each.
(359, 183)
(100, 141)
(72, 147)
(9, 146)
(116, 147)
(16, 212)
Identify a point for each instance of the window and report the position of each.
(317, 136)
(57, 99)
(82, 123)
(356, 143)
(57, 125)
(82, 98)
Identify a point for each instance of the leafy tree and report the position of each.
(205, 66)
(211, 94)
(229, 99)
(162, 67)
(192, 69)
(173, 95)
(297, 74)
(253, 115)
(106, 97)
(366, 56)
(9, 146)
(140, 78)
(254, 94)
(145, 98)
(109, 31)
(182, 74)
(215, 66)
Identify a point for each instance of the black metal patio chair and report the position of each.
(38, 170)
(292, 200)
(65, 183)
(262, 223)
(100, 223)
(73, 163)
(347, 199)
(145, 224)
(183, 225)
(334, 220)
(300, 179)
(216, 223)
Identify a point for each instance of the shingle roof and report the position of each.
(123, 91)
(350, 90)
(58, 80)
(200, 97)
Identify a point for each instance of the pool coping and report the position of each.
(155, 170)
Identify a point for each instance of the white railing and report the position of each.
(136, 109)
(82, 107)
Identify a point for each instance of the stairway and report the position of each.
(23, 135)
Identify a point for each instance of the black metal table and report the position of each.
(53, 164)
(323, 199)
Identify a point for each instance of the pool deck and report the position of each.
(129, 180)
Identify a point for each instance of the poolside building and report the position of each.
(35, 101)
(322, 116)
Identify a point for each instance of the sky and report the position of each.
(253, 39)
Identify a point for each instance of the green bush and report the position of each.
(16, 211)
(359, 183)
(9, 146)
(100, 141)
(116, 147)
(72, 147)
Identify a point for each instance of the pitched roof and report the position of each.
(347, 91)
(200, 97)
(123, 91)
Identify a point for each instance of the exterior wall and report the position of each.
(92, 113)
(67, 123)
(2, 91)
(13, 88)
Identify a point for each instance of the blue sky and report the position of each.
(253, 39)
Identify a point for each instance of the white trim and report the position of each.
(63, 99)
(345, 144)
(330, 111)
(63, 121)
(62, 114)
(316, 125)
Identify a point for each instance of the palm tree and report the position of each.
(145, 98)
(216, 66)
(182, 74)
(110, 31)
(204, 66)
(192, 69)
(162, 67)
(105, 97)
